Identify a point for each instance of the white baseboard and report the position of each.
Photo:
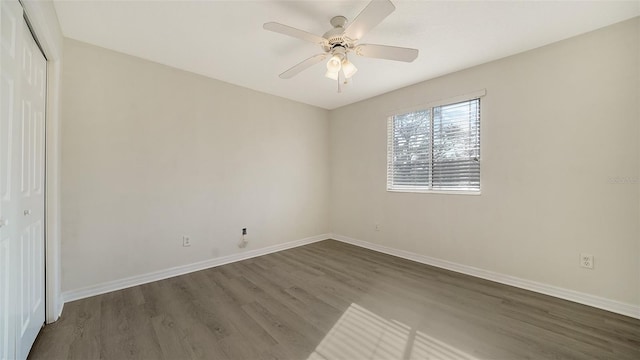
(571, 295)
(109, 286)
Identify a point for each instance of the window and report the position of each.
(435, 149)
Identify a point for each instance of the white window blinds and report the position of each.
(435, 149)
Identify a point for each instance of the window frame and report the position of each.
(429, 106)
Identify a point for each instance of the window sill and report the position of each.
(442, 192)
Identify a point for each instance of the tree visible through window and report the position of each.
(435, 149)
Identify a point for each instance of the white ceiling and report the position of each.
(225, 40)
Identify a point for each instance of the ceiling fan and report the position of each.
(342, 40)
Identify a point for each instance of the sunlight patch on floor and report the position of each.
(361, 334)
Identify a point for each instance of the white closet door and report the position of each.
(22, 106)
(10, 71)
(30, 178)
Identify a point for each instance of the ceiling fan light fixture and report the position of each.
(333, 75)
(333, 65)
(348, 68)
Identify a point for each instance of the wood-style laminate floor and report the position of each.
(331, 300)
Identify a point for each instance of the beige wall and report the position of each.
(151, 153)
(558, 123)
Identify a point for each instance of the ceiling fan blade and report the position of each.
(303, 66)
(371, 16)
(387, 52)
(291, 31)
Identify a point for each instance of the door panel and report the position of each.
(24, 146)
(31, 200)
(10, 73)
(22, 137)
(6, 325)
(23, 283)
(38, 153)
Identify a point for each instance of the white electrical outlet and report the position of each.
(586, 260)
(377, 227)
(244, 240)
(186, 241)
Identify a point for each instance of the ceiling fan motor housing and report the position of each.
(335, 37)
